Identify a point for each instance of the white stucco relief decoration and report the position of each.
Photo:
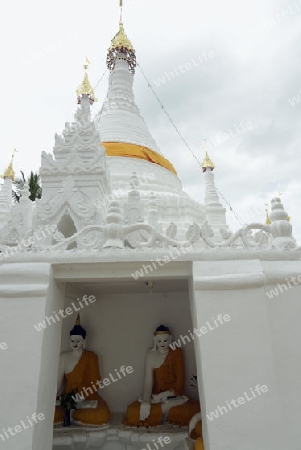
(74, 177)
(79, 204)
(78, 149)
(73, 163)
(277, 235)
(19, 223)
(117, 235)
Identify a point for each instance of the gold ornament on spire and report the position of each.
(121, 41)
(9, 172)
(85, 87)
(121, 44)
(207, 161)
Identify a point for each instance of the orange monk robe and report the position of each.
(199, 445)
(197, 433)
(170, 375)
(85, 376)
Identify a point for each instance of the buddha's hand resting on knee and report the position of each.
(158, 398)
(145, 408)
(86, 404)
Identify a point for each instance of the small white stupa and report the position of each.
(215, 212)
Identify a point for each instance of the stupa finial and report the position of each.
(120, 5)
(121, 44)
(85, 87)
(9, 172)
(207, 163)
(267, 219)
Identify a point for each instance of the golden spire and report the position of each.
(120, 40)
(267, 219)
(121, 44)
(85, 88)
(207, 161)
(9, 172)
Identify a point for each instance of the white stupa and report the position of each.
(115, 223)
(131, 147)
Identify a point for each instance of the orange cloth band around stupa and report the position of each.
(137, 151)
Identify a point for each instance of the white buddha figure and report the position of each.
(164, 381)
(79, 372)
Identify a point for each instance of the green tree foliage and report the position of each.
(33, 182)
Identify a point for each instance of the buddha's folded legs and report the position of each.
(170, 403)
(93, 416)
(87, 416)
(178, 415)
(133, 416)
(182, 414)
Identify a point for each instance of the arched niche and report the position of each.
(67, 227)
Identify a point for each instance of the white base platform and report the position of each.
(115, 436)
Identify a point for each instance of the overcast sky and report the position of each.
(225, 71)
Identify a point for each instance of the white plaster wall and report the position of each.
(237, 356)
(22, 303)
(49, 366)
(120, 328)
(284, 312)
(260, 345)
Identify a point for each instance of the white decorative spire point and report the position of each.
(215, 212)
(280, 226)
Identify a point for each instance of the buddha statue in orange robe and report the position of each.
(164, 396)
(196, 432)
(79, 372)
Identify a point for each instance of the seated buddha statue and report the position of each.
(79, 372)
(196, 432)
(163, 398)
